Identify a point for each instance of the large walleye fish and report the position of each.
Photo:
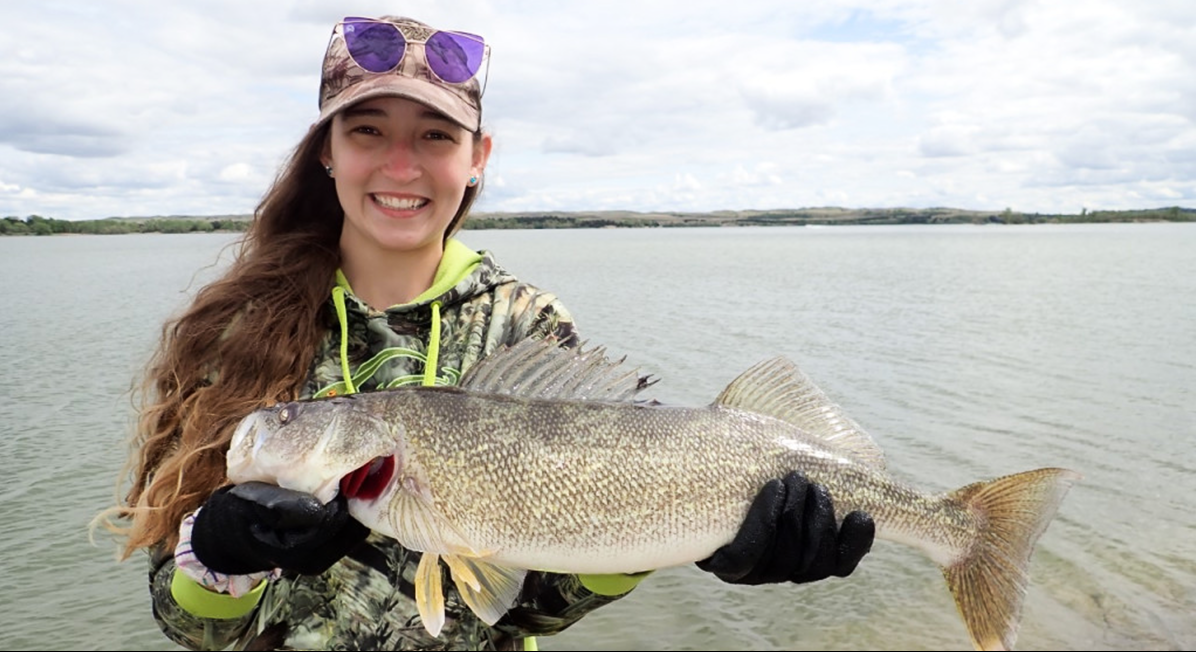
(543, 459)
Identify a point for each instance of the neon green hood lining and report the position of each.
(457, 262)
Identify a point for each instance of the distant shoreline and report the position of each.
(38, 225)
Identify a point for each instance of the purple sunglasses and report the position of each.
(378, 46)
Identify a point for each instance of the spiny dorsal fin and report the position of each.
(541, 368)
(777, 388)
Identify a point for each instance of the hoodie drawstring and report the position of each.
(338, 299)
(433, 347)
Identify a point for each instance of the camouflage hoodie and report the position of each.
(366, 601)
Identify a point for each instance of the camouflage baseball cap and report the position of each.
(375, 57)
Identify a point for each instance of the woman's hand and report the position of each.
(790, 535)
(255, 526)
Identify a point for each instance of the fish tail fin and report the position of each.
(989, 584)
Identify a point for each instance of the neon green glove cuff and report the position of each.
(616, 584)
(198, 601)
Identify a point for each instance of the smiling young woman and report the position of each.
(350, 280)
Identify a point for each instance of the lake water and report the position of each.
(967, 352)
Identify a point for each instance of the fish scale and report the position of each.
(574, 481)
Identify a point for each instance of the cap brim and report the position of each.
(431, 95)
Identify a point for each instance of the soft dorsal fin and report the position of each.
(541, 368)
(777, 388)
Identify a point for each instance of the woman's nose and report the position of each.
(401, 161)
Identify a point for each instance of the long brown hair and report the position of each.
(246, 341)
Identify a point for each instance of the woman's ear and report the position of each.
(326, 153)
(481, 154)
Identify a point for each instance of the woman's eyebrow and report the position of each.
(363, 111)
(374, 112)
(432, 114)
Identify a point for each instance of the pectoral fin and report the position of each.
(419, 525)
(489, 590)
(429, 593)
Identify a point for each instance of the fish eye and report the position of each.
(287, 412)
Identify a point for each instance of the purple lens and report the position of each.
(455, 56)
(375, 46)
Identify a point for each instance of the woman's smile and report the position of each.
(397, 203)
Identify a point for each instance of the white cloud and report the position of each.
(686, 182)
(136, 107)
(238, 172)
(948, 140)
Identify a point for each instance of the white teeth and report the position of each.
(399, 203)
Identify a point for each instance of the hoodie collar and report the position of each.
(456, 264)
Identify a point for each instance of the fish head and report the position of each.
(310, 445)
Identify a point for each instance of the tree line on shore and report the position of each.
(39, 225)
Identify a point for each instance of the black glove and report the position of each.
(255, 526)
(789, 536)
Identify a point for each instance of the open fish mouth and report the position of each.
(370, 480)
(244, 446)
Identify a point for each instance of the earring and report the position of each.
(328, 169)
(473, 181)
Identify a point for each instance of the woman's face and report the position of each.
(401, 170)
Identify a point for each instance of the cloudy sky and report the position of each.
(140, 107)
